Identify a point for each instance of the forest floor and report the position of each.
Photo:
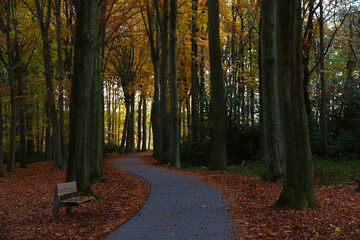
(337, 215)
(26, 206)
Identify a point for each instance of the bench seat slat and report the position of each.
(75, 201)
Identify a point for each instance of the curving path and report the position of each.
(178, 207)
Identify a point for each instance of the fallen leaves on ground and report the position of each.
(254, 216)
(26, 204)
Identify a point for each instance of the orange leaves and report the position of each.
(26, 214)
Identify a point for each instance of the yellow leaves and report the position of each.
(337, 229)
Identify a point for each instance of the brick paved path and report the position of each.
(179, 207)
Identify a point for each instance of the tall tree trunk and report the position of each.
(50, 98)
(96, 122)
(308, 38)
(164, 143)
(9, 68)
(194, 71)
(218, 138)
(273, 154)
(1, 137)
(60, 68)
(84, 85)
(298, 188)
(126, 123)
(19, 70)
(174, 119)
(154, 47)
(138, 147)
(144, 125)
(323, 100)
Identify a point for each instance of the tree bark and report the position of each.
(19, 70)
(323, 100)
(144, 125)
(273, 154)
(50, 98)
(163, 22)
(60, 68)
(83, 87)
(194, 72)
(138, 147)
(298, 188)
(218, 138)
(308, 38)
(9, 68)
(1, 138)
(174, 119)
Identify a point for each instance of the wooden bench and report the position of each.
(67, 191)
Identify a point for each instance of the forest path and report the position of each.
(178, 207)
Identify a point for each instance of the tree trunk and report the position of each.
(323, 100)
(138, 147)
(164, 143)
(60, 68)
(174, 119)
(50, 98)
(218, 138)
(19, 70)
(85, 79)
(298, 188)
(144, 125)
(126, 123)
(97, 123)
(308, 38)
(194, 72)
(9, 68)
(273, 154)
(155, 110)
(1, 138)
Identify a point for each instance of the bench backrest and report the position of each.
(66, 188)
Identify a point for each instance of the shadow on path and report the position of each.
(178, 207)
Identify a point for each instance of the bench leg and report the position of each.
(68, 210)
(55, 212)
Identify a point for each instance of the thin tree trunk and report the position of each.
(9, 68)
(163, 23)
(155, 110)
(126, 123)
(323, 100)
(273, 154)
(1, 137)
(174, 119)
(138, 147)
(218, 151)
(50, 98)
(21, 109)
(60, 73)
(144, 125)
(194, 71)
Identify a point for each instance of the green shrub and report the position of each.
(111, 148)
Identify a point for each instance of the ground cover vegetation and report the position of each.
(268, 88)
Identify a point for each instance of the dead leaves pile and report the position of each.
(26, 204)
(254, 216)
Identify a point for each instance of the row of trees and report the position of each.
(145, 73)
